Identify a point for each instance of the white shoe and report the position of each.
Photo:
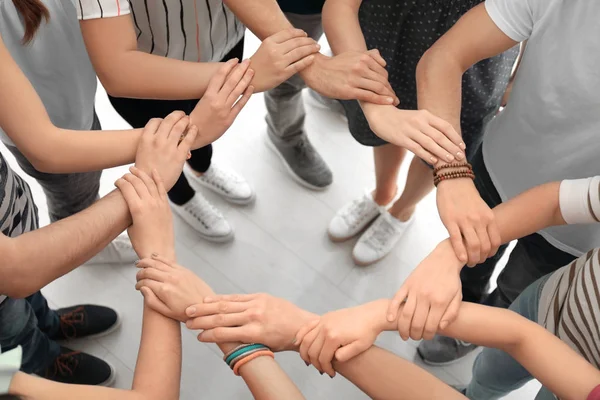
(205, 218)
(353, 218)
(119, 251)
(379, 240)
(224, 182)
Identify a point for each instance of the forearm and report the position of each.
(263, 17)
(341, 26)
(383, 375)
(63, 245)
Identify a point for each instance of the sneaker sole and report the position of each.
(289, 169)
(112, 378)
(366, 264)
(442, 364)
(240, 202)
(336, 239)
(208, 238)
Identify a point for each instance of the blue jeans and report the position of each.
(29, 323)
(495, 373)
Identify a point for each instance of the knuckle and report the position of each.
(222, 307)
(220, 319)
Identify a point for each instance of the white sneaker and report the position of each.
(205, 218)
(224, 182)
(353, 218)
(379, 240)
(119, 251)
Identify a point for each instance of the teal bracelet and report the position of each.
(244, 350)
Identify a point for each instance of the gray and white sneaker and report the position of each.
(302, 161)
(379, 240)
(119, 251)
(226, 183)
(351, 219)
(443, 350)
(205, 218)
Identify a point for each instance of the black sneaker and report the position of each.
(85, 321)
(75, 367)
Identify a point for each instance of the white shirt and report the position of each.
(550, 130)
(189, 30)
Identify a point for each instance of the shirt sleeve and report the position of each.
(93, 9)
(579, 200)
(514, 17)
(10, 363)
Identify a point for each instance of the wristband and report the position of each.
(239, 364)
(579, 200)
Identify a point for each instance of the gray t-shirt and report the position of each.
(550, 130)
(55, 62)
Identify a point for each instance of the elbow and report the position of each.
(112, 85)
(436, 61)
(19, 288)
(42, 163)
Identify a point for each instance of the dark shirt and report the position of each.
(301, 6)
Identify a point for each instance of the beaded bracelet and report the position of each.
(452, 165)
(450, 173)
(454, 175)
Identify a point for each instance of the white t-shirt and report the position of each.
(56, 63)
(190, 30)
(550, 130)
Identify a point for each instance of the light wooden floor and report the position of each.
(281, 247)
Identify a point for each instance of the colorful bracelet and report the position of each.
(235, 349)
(243, 350)
(245, 360)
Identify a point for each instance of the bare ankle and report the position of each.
(402, 214)
(382, 197)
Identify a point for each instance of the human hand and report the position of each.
(169, 288)
(342, 334)
(425, 135)
(248, 318)
(467, 216)
(161, 146)
(146, 197)
(351, 75)
(281, 56)
(221, 102)
(430, 297)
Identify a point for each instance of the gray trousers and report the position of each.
(285, 107)
(66, 194)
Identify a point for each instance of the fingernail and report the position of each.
(391, 317)
(307, 364)
(294, 341)
(191, 311)
(449, 157)
(154, 255)
(321, 372)
(443, 325)
(389, 100)
(136, 263)
(459, 155)
(208, 299)
(462, 145)
(433, 160)
(188, 324)
(318, 46)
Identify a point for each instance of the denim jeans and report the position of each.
(532, 258)
(29, 323)
(495, 373)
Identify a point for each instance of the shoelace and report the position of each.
(222, 179)
(302, 150)
(66, 363)
(205, 212)
(355, 213)
(68, 321)
(380, 233)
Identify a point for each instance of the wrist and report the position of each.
(304, 318)
(378, 311)
(307, 72)
(445, 248)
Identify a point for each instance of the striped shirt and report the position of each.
(189, 30)
(18, 213)
(570, 299)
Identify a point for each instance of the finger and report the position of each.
(149, 182)
(315, 351)
(457, 242)
(495, 239)
(406, 317)
(230, 297)
(445, 143)
(378, 78)
(350, 351)
(151, 128)
(299, 53)
(307, 342)
(154, 302)
(420, 318)
(240, 88)
(399, 298)
(155, 286)
(436, 312)
(295, 43)
(375, 87)
(370, 97)
(420, 152)
(486, 244)
(187, 144)
(422, 136)
(287, 34)
(305, 330)
(298, 66)
(139, 186)
(152, 274)
(129, 194)
(228, 335)
(473, 245)
(150, 263)
(169, 123)
(374, 53)
(218, 80)
(160, 185)
(178, 132)
(241, 103)
(326, 357)
(452, 311)
(448, 130)
(164, 260)
(222, 307)
(218, 321)
(234, 79)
